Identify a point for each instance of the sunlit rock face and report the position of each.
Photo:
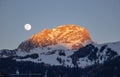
(70, 35)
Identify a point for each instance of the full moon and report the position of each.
(27, 27)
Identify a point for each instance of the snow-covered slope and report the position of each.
(114, 46)
(60, 56)
(99, 53)
(53, 55)
(91, 61)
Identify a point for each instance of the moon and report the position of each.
(27, 27)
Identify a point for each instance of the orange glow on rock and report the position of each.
(71, 36)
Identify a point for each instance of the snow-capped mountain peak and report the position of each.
(67, 49)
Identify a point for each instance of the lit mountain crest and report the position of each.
(71, 36)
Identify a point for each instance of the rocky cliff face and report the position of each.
(71, 36)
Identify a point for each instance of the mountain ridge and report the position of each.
(60, 55)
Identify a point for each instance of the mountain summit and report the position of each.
(70, 35)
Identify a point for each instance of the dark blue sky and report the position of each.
(100, 17)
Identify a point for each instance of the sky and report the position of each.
(100, 17)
